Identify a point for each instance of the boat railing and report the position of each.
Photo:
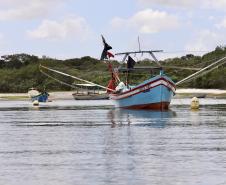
(139, 68)
(150, 52)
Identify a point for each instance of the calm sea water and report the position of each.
(91, 143)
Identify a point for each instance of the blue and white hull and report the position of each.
(155, 93)
(43, 97)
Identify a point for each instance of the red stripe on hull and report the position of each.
(152, 106)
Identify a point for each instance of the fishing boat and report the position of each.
(42, 97)
(155, 92)
(35, 95)
(89, 92)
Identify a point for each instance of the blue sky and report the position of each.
(72, 28)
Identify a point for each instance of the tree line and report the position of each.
(19, 72)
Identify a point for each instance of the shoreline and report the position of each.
(200, 93)
(61, 95)
(67, 95)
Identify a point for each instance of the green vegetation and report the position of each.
(214, 79)
(20, 72)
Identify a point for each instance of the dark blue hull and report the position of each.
(43, 97)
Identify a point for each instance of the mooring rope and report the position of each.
(64, 83)
(203, 71)
(74, 77)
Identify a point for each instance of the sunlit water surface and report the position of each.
(91, 143)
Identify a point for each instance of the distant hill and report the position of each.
(20, 72)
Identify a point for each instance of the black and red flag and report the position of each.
(130, 63)
(106, 54)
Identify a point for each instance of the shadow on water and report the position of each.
(49, 108)
(119, 117)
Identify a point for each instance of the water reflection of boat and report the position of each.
(89, 92)
(140, 117)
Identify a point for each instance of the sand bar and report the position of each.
(61, 95)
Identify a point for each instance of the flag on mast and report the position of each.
(106, 54)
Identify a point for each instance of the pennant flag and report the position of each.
(105, 54)
(110, 55)
(130, 63)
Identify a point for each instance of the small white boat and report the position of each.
(35, 95)
(89, 92)
(33, 92)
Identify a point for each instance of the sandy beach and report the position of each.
(67, 95)
(64, 95)
(204, 93)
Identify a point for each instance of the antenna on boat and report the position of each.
(139, 43)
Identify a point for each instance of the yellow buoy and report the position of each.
(194, 103)
(35, 103)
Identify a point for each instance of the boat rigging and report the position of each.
(74, 77)
(203, 71)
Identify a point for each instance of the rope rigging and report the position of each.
(61, 82)
(74, 77)
(203, 71)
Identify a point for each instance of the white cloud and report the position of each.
(148, 21)
(70, 27)
(205, 40)
(209, 4)
(222, 24)
(25, 10)
(217, 4)
(180, 3)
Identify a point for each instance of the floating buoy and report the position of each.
(35, 103)
(194, 103)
